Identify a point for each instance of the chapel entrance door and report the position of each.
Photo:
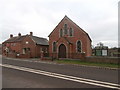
(62, 51)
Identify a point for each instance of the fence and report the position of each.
(67, 55)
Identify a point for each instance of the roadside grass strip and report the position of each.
(65, 77)
(77, 62)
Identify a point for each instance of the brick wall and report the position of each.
(114, 60)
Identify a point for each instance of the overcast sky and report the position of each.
(99, 18)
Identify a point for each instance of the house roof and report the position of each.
(37, 40)
(73, 23)
(15, 39)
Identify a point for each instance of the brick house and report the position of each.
(68, 40)
(25, 46)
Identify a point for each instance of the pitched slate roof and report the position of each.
(37, 40)
(15, 39)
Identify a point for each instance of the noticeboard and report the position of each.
(104, 52)
(98, 53)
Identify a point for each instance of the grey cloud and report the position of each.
(96, 18)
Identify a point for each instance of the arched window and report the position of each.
(54, 46)
(79, 46)
(71, 32)
(65, 29)
(61, 32)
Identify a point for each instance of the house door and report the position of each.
(62, 51)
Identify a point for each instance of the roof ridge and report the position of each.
(57, 25)
(14, 39)
(39, 37)
(40, 40)
(77, 26)
(73, 23)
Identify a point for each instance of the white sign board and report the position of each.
(104, 52)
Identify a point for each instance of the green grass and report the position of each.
(88, 63)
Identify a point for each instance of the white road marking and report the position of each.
(66, 77)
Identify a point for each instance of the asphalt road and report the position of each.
(19, 79)
(13, 78)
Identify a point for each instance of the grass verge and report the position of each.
(88, 63)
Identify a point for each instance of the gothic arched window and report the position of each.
(65, 29)
(71, 32)
(61, 32)
(79, 46)
(54, 46)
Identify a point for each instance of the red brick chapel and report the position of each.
(68, 40)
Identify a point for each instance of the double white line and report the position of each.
(66, 77)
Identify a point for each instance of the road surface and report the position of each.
(30, 74)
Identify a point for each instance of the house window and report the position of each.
(79, 46)
(24, 50)
(7, 49)
(28, 49)
(65, 29)
(44, 50)
(54, 46)
(61, 32)
(71, 32)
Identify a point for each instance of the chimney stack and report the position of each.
(11, 35)
(31, 33)
(19, 34)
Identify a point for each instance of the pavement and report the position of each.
(22, 79)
